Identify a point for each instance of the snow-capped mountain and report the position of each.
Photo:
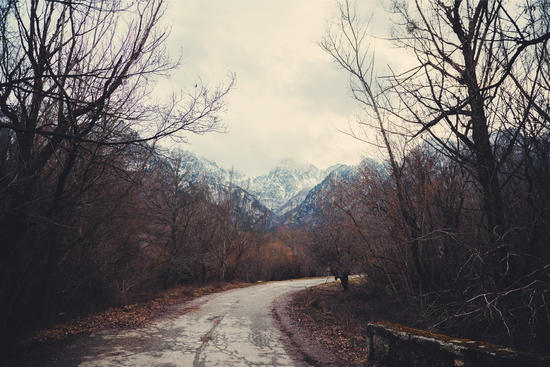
(286, 185)
(200, 168)
(224, 184)
(282, 190)
(308, 211)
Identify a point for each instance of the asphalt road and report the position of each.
(232, 328)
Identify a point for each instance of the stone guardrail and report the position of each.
(396, 345)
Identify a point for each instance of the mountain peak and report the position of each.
(280, 190)
(286, 185)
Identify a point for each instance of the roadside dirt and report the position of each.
(328, 326)
(298, 341)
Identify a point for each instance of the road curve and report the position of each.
(232, 328)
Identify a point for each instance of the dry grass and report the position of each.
(339, 319)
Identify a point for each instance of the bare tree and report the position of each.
(477, 92)
(76, 83)
(468, 54)
(468, 66)
(347, 42)
(174, 201)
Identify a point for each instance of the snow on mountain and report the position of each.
(294, 201)
(284, 188)
(286, 185)
(221, 182)
(202, 169)
(308, 210)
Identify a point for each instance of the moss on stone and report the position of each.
(483, 346)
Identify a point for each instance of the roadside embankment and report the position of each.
(346, 324)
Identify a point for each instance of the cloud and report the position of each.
(289, 99)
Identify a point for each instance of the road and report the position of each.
(232, 328)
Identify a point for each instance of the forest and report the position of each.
(453, 225)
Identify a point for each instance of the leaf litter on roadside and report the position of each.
(127, 316)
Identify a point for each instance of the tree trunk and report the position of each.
(345, 281)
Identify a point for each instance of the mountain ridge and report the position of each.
(281, 190)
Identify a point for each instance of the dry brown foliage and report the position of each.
(128, 316)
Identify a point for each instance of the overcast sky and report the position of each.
(289, 100)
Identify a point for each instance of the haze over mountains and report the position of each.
(288, 190)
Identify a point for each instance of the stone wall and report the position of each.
(395, 345)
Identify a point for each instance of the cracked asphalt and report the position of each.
(232, 328)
